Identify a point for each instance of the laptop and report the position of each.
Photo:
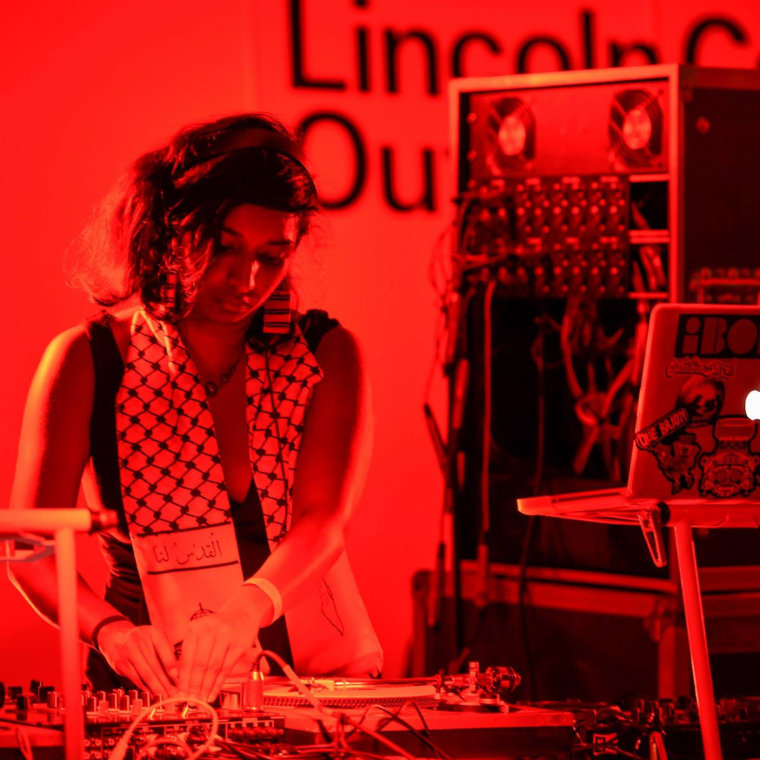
(696, 450)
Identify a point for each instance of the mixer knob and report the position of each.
(113, 701)
(15, 691)
(91, 705)
(686, 703)
(53, 700)
(22, 704)
(146, 699)
(44, 691)
(101, 695)
(667, 710)
(229, 700)
(125, 703)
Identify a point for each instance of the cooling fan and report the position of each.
(636, 127)
(510, 135)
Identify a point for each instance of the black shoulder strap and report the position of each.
(315, 324)
(109, 370)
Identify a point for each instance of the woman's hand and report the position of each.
(142, 654)
(218, 644)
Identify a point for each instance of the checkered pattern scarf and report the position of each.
(175, 502)
(172, 475)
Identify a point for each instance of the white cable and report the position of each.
(24, 746)
(120, 750)
(302, 688)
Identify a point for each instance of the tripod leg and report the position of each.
(695, 629)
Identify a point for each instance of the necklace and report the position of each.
(212, 387)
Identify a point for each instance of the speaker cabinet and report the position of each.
(611, 190)
(650, 171)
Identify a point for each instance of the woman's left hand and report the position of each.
(218, 644)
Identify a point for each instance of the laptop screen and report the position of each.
(693, 435)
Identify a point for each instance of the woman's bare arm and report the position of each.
(53, 450)
(330, 472)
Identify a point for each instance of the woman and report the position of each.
(229, 432)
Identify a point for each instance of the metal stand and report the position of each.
(62, 523)
(619, 508)
(695, 629)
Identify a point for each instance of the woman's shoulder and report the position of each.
(315, 324)
(111, 326)
(339, 355)
(66, 369)
(71, 349)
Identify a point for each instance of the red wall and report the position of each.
(89, 85)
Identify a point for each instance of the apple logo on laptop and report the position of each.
(752, 405)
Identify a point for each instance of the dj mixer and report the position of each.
(460, 716)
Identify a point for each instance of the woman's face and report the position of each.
(253, 257)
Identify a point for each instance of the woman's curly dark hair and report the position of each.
(157, 230)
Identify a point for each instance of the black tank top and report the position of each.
(123, 589)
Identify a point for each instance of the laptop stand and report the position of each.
(682, 515)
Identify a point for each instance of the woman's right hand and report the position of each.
(142, 654)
